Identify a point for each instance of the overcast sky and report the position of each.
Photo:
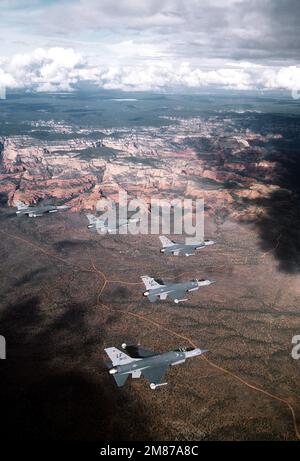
(150, 44)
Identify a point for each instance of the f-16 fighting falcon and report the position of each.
(172, 248)
(138, 362)
(97, 224)
(175, 291)
(33, 211)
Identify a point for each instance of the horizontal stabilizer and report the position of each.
(152, 298)
(120, 379)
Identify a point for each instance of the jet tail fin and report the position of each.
(92, 219)
(118, 357)
(165, 241)
(21, 205)
(149, 282)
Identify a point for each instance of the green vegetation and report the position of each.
(96, 152)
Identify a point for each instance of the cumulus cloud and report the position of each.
(159, 76)
(60, 69)
(150, 44)
(55, 68)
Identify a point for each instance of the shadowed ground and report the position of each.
(55, 384)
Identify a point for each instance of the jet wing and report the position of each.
(155, 374)
(179, 294)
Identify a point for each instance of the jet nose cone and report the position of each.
(199, 351)
(195, 352)
(202, 351)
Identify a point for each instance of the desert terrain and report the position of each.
(66, 293)
(57, 322)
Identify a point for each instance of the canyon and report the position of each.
(187, 159)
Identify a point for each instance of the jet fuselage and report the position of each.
(182, 286)
(160, 360)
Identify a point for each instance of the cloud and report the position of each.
(286, 77)
(55, 68)
(255, 30)
(259, 31)
(150, 44)
(6, 80)
(60, 69)
(130, 49)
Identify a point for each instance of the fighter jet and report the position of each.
(138, 362)
(97, 224)
(33, 211)
(173, 248)
(175, 291)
